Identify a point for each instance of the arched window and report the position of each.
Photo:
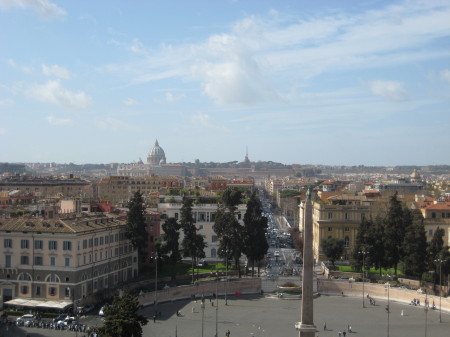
(24, 277)
(53, 278)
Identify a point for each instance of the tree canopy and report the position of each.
(171, 229)
(333, 249)
(135, 226)
(122, 318)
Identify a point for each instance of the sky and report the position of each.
(293, 81)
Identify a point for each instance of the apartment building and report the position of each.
(339, 216)
(204, 215)
(48, 187)
(437, 216)
(50, 262)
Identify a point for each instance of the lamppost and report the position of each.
(156, 282)
(387, 307)
(426, 312)
(439, 260)
(226, 275)
(363, 252)
(202, 306)
(217, 303)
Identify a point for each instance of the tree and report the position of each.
(394, 232)
(171, 236)
(414, 248)
(193, 244)
(230, 232)
(255, 229)
(122, 318)
(333, 249)
(361, 243)
(135, 227)
(435, 249)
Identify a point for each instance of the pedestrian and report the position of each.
(324, 326)
(344, 333)
(154, 318)
(350, 329)
(339, 333)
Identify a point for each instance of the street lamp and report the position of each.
(387, 307)
(439, 260)
(426, 312)
(217, 303)
(226, 275)
(202, 306)
(156, 282)
(363, 252)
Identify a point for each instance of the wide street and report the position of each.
(271, 317)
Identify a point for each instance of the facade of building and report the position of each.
(339, 217)
(63, 259)
(48, 187)
(437, 216)
(204, 215)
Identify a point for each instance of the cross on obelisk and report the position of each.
(307, 327)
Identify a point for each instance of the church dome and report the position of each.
(156, 156)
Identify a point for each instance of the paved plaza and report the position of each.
(255, 316)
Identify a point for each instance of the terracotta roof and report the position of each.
(439, 206)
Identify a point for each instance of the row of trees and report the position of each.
(400, 237)
(234, 239)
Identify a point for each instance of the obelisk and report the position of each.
(307, 327)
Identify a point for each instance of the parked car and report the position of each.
(26, 319)
(101, 312)
(88, 308)
(60, 317)
(67, 321)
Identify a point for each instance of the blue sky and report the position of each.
(340, 83)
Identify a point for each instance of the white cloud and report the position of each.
(59, 121)
(130, 101)
(259, 57)
(137, 47)
(445, 74)
(2, 131)
(25, 69)
(56, 71)
(389, 90)
(44, 8)
(113, 124)
(53, 92)
(170, 97)
(6, 102)
(204, 121)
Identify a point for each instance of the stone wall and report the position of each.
(378, 291)
(203, 289)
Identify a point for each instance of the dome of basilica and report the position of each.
(156, 156)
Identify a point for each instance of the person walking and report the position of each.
(324, 326)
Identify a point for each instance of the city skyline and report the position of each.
(295, 82)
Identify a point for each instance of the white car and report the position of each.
(276, 254)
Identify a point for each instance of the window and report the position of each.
(38, 290)
(95, 242)
(52, 245)
(239, 216)
(24, 259)
(214, 238)
(213, 252)
(346, 229)
(330, 215)
(67, 245)
(151, 228)
(24, 290)
(106, 239)
(346, 217)
(84, 244)
(347, 242)
(111, 238)
(38, 260)
(101, 241)
(84, 259)
(52, 291)
(433, 215)
(67, 262)
(443, 215)
(38, 244)
(330, 229)
(116, 251)
(24, 244)
(8, 261)
(91, 243)
(7, 243)
(363, 216)
(52, 261)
